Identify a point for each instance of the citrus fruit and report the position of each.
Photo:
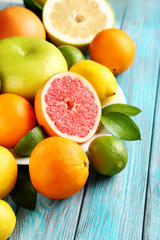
(7, 220)
(26, 144)
(113, 48)
(8, 172)
(16, 119)
(68, 106)
(71, 54)
(76, 22)
(26, 63)
(99, 76)
(58, 167)
(19, 21)
(107, 155)
(34, 7)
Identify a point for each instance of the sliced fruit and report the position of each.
(76, 22)
(107, 155)
(68, 106)
(71, 54)
(101, 78)
(7, 220)
(26, 145)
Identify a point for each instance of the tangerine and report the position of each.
(19, 21)
(113, 48)
(16, 119)
(58, 167)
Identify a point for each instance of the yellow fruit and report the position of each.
(8, 172)
(76, 22)
(101, 78)
(7, 220)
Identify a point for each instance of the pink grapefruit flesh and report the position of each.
(68, 106)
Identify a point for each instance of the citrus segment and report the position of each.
(8, 172)
(58, 167)
(76, 22)
(7, 220)
(68, 106)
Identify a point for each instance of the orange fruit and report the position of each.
(16, 119)
(19, 21)
(58, 167)
(68, 106)
(113, 48)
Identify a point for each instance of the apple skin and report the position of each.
(26, 63)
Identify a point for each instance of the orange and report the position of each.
(19, 21)
(58, 167)
(16, 119)
(113, 48)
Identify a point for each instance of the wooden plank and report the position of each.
(152, 213)
(113, 208)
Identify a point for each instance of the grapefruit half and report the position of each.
(68, 106)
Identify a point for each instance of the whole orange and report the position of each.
(58, 167)
(16, 119)
(20, 21)
(113, 48)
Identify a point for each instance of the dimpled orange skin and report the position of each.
(20, 21)
(17, 118)
(113, 48)
(58, 167)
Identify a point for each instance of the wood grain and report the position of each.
(113, 208)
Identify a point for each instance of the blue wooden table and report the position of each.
(126, 206)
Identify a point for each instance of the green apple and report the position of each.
(26, 63)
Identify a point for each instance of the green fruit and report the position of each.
(26, 145)
(26, 63)
(34, 7)
(71, 54)
(107, 155)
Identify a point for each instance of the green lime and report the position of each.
(71, 54)
(107, 155)
(34, 7)
(26, 144)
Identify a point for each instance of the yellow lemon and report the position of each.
(8, 172)
(7, 220)
(101, 78)
(76, 22)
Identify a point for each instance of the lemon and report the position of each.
(76, 22)
(26, 144)
(71, 54)
(101, 78)
(7, 220)
(107, 155)
(8, 172)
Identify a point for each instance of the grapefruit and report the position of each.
(68, 106)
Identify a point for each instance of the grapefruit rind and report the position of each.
(44, 119)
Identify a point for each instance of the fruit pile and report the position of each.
(52, 99)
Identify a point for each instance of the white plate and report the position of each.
(118, 98)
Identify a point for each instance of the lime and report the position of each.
(107, 155)
(8, 172)
(7, 220)
(26, 144)
(71, 54)
(76, 22)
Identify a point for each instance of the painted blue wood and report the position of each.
(113, 208)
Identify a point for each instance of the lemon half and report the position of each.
(76, 22)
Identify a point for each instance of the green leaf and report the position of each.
(121, 126)
(24, 193)
(121, 108)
